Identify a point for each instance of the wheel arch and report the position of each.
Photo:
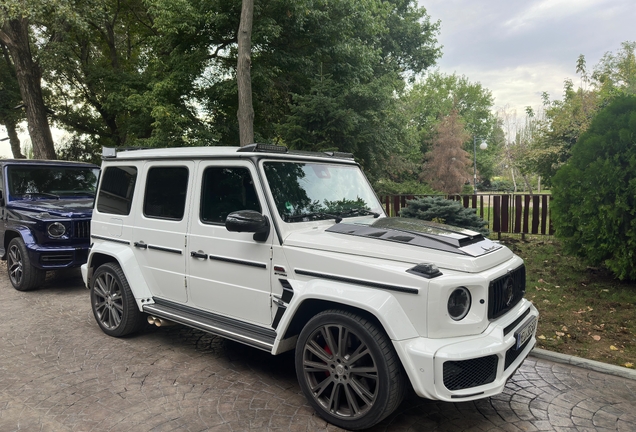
(24, 233)
(125, 259)
(315, 296)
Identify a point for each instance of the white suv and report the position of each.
(285, 250)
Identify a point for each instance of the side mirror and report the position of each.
(248, 221)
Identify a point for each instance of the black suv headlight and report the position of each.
(459, 303)
(56, 229)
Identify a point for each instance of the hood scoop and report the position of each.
(420, 233)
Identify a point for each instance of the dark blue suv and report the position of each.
(46, 215)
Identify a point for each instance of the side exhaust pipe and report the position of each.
(160, 322)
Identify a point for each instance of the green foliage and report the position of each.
(595, 192)
(435, 97)
(450, 212)
(408, 187)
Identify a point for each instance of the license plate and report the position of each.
(525, 332)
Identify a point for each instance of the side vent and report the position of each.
(282, 301)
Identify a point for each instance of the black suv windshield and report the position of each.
(312, 191)
(32, 181)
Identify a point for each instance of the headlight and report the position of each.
(56, 230)
(459, 303)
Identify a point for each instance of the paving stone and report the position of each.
(59, 372)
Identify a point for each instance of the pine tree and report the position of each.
(446, 166)
(439, 209)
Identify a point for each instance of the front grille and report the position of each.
(506, 291)
(512, 354)
(82, 229)
(470, 373)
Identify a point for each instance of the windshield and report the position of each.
(311, 191)
(31, 182)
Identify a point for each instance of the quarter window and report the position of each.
(226, 190)
(116, 190)
(166, 189)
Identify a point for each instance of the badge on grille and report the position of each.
(509, 291)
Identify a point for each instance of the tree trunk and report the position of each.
(243, 79)
(14, 140)
(15, 35)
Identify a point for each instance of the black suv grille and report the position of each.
(82, 229)
(506, 291)
(470, 373)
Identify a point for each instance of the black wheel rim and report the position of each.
(340, 371)
(14, 263)
(107, 300)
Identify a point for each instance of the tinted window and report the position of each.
(226, 190)
(166, 189)
(116, 190)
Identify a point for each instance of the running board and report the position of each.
(249, 334)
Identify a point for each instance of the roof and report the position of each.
(223, 152)
(48, 162)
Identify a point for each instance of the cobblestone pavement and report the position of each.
(59, 372)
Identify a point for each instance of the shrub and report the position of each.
(594, 193)
(438, 209)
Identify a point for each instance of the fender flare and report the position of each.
(383, 305)
(126, 260)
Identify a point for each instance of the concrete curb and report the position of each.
(584, 363)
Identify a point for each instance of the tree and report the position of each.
(439, 209)
(15, 35)
(447, 163)
(243, 78)
(9, 99)
(433, 98)
(594, 193)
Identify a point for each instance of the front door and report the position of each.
(228, 271)
(160, 229)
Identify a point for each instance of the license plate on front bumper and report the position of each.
(525, 332)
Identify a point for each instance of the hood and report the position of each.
(67, 208)
(407, 240)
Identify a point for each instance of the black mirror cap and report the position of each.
(248, 221)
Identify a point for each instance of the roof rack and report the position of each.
(272, 148)
(111, 152)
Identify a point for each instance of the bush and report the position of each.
(594, 193)
(409, 187)
(438, 209)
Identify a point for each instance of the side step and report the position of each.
(239, 331)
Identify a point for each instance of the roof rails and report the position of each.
(111, 152)
(271, 148)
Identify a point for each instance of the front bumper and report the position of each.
(58, 257)
(470, 367)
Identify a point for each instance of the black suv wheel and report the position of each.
(23, 275)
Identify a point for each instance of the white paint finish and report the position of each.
(230, 289)
(163, 271)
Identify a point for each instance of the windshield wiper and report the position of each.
(89, 193)
(315, 216)
(359, 212)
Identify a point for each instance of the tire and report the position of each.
(352, 384)
(113, 303)
(22, 274)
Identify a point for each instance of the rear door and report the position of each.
(159, 235)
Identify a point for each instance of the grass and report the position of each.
(585, 311)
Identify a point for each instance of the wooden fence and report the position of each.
(505, 213)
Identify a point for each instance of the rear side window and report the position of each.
(116, 190)
(166, 190)
(226, 190)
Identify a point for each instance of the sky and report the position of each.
(519, 49)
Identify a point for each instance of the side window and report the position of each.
(116, 190)
(226, 190)
(166, 190)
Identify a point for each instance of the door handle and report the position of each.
(141, 245)
(199, 254)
